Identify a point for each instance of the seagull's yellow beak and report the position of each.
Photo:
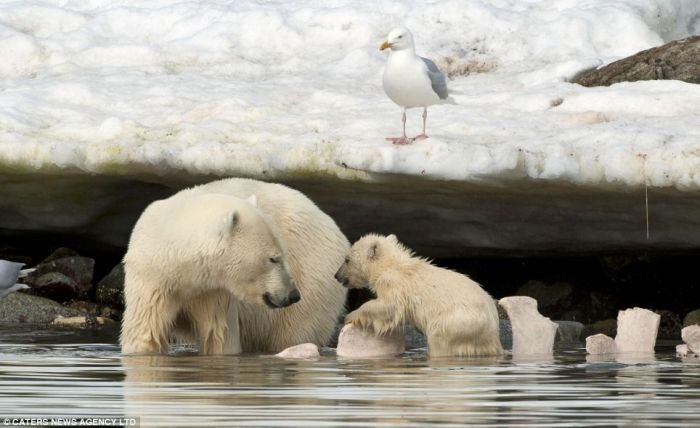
(384, 46)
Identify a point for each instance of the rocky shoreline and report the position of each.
(74, 290)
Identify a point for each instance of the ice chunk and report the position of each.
(691, 337)
(600, 344)
(533, 334)
(305, 350)
(636, 330)
(355, 342)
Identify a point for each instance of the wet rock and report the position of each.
(414, 338)
(569, 331)
(552, 299)
(677, 60)
(637, 329)
(670, 324)
(533, 334)
(49, 279)
(691, 318)
(355, 342)
(502, 314)
(691, 337)
(506, 334)
(25, 308)
(607, 327)
(303, 351)
(110, 289)
(600, 344)
(54, 286)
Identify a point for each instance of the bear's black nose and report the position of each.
(294, 296)
(337, 276)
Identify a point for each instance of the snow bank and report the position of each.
(276, 89)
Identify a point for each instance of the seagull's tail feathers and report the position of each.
(21, 287)
(24, 272)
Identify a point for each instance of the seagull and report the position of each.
(410, 80)
(10, 272)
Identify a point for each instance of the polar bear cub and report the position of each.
(458, 317)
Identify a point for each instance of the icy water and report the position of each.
(64, 373)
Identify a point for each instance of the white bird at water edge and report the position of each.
(10, 273)
(410, 80)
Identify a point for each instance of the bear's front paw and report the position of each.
(357, 318)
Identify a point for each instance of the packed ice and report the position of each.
(273, 89)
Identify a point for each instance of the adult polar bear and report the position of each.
(177, 295)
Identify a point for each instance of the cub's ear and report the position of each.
(253, 200)
(393, 238)
(373, 251)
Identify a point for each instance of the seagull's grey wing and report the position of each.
(9, 271)
(437, 79)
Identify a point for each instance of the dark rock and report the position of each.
(569, 331)
(502, 314)
(677, 60)
(506, 334)
(602, 305)
(607, 327)
(670, 325)
(110, 289)
(691, 318)
(25, 308)
(54, 286)
(83, 306)
(553, 300)
(414, 338)
(67, 263)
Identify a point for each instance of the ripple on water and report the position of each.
(46, 372)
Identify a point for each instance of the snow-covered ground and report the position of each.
(277, 88)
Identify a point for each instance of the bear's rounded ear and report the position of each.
(253, 200)
(373, 251)
(393, 238)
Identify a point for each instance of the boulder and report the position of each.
(355, 342)
(692, 317)
(110, 289)
(533, 334)
(303, 351)
(62, 276)
(670, 324)
(637, 329)
(607, 327)
(25, 308)
(677, 60)
(569, 331)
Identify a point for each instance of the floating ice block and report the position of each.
(355, 342)
(636, 330)
(600, 344)
(305, 350)
(533, 334)
(691, 337)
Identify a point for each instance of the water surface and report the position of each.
(68, 373)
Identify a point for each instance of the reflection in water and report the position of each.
(54, 373)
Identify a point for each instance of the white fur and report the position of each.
(458, 317)
(169, 270)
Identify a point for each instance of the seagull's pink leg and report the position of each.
(425, 116)
(401, 140)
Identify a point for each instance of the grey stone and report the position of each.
(607, 327)
(67, 263)
(355, 342)
(110, 289)
(533, 334)
(414, 338)
(54, 286)
(569, 331)
(506, 334)
(637, 329)
(25, 308)
(691, 318)
(677, 60)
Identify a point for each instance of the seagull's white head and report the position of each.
(398, 39)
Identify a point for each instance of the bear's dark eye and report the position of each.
(401, 37)
(274, 259)
(347, 259)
